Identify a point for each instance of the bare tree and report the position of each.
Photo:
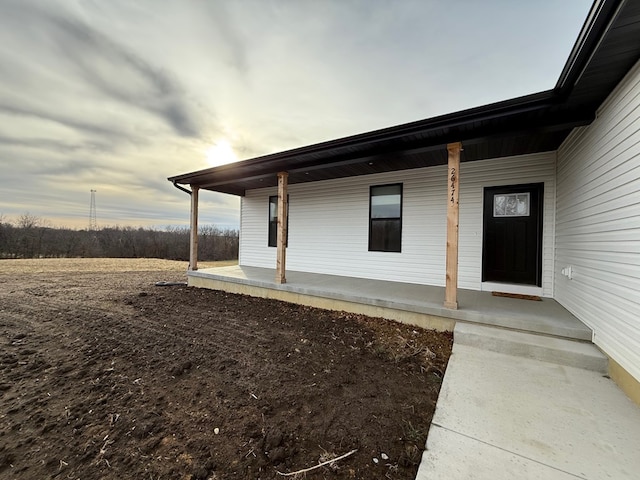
(32, 236)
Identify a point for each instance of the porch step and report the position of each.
(539, 347)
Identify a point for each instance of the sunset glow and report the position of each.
(221, 153)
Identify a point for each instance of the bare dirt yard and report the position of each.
(103, 375)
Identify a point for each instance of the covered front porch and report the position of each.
(420, 305)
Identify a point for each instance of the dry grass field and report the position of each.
(105, 376)
(108, 265)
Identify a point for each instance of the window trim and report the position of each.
(286, 240)
(371, 220)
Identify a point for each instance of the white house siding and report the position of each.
(329, 223)
(329, 228)
(598, 224)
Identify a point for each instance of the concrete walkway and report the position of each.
(501, 416)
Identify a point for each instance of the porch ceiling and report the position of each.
(608, 46)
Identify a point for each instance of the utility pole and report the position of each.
(93, 223)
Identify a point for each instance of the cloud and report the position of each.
(107, 66)
(85, 125)
(49, 145)
(120, 74)
(118, 95)
(226, 26)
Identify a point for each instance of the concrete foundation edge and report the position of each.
(431, 322)
(627, 383)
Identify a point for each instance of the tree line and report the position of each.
(32, 237)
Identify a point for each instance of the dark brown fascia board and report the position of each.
(565, 121)
(207, 179)
(514, 106)
(598, 22)
(350, 160)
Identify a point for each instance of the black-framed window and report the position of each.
(385, 218)
(273, 221)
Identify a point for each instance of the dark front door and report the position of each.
(512, 240)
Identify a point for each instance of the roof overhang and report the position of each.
(608, 46)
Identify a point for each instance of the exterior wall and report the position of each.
(598, 224)
(329, 228)
(329, 223)
(474, 176)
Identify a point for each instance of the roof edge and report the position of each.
(597, 23)
(505, 107)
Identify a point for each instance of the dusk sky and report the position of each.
(118, 95)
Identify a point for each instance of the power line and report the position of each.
(93, 223)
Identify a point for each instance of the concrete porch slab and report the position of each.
(546, 317)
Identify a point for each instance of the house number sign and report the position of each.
(452, 177)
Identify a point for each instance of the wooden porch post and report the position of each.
(453, 182)
(193, 231)
(282, 228)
